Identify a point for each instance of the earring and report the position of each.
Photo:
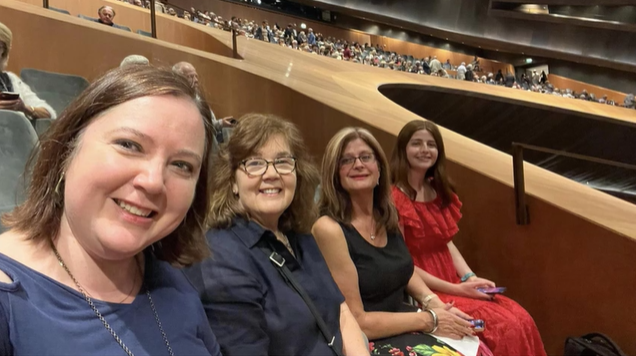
(59, 182)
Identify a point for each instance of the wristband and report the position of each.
(435, 321)
(467, 276)
(428, 300)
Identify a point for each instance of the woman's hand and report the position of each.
(484, 282)
(14, 105)
(469, 290)
(451, 325)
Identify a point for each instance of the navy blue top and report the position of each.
(251, 308)
(40, 316)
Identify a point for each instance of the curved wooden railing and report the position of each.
(571, 267)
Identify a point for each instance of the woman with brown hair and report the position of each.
(261, 214)
(118, 191)
(359, 237)
(429, 211)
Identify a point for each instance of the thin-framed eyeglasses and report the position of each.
(364, 158)
(258, 166)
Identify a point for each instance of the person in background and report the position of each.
(263, 202)
(134, 60)
(543, 78)
(448, 65)
(429, 211)
(470, 75)
(28, 102)
(499, 78)
(188, 71)
(629, 101)
(87, 266)
(359, 237)
(509, 80)
(171, 12)
(461, 71)
(106, 16)
(435, 65)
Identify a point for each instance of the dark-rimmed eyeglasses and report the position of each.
(364, 158)
(258, 166)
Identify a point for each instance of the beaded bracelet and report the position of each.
(467, 276)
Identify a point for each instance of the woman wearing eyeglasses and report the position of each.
(262, 202)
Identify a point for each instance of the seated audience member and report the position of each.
(429, 211)
(28, 103)
(138, 3)
(359, 237)
(171, 12)
(85, 268)
(187, 70)
(629, 101)
(134, 60)
(262, 202)
(499, 78)
(106, 16)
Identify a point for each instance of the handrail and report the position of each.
(153, 19)
(521, 209)
(45, 4)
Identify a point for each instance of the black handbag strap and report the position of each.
(606, 341)
(279, 262)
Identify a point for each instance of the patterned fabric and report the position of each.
(413, 344)
(428, 228)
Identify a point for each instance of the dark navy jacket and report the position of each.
(249, 305)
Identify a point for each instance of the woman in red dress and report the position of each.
(429, 211)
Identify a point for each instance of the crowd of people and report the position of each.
(90, 262)
(377, 56)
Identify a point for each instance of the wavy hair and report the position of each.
(251, 133)
(437, 173)
(335, 201)
(39, 217)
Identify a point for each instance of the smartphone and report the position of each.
(497, 290)
(478, 325)
(9, 96)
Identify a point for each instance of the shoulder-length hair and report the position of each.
(6, 37)
(40, 215)
(251, 133)
(436, 174)
(335, 201)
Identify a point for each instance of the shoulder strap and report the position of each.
(279, 262)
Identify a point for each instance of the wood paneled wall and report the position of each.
(571, 273)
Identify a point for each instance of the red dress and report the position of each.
(428, 228)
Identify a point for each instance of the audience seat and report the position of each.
(144, 33)
(17, 139)
(56, 89)
(59, 10)
(41, 125)
(87, 18)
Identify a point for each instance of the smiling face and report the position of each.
(421, 151)
(132, 177)
(265, 197)
(358, 175)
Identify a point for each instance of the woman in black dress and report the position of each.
(359, 237)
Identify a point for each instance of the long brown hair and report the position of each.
(251, 133)
(335, 202)
(40, 215)
(400, 164)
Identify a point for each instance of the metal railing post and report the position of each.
(234, 46)
(45, 4)
(153, 19)
(523, 217)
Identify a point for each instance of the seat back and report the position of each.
(87, 18)
(59, 10)
(17, 139)
(58, 90)
(144, 33)
(41, 125)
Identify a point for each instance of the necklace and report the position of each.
(372, 229)
(285, 242)
(101, 318)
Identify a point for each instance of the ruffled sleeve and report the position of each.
(428, 220)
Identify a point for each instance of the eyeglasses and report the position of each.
(365, 158)
(258, 166)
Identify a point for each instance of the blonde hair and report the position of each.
(335, 202)
(251, 133)
(6, 36)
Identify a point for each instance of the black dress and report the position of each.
(383, 273)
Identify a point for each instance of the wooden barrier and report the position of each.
(571, 268)
(566, 83)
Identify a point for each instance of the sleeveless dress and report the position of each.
(428, 228)
(383, 273)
